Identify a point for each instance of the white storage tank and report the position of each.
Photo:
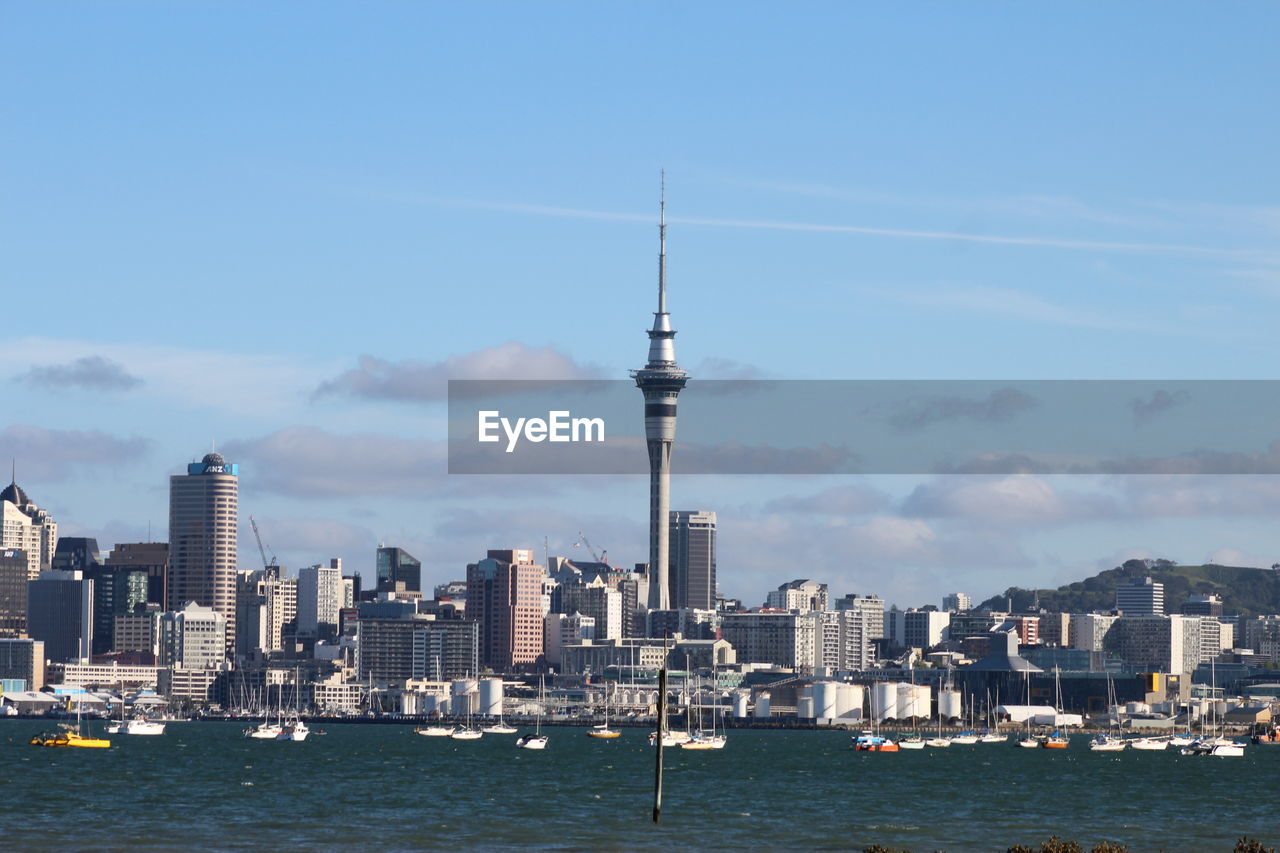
(804, 707)
(462, 690)
(740, 700)
(826, 699)
(428, 703)
(915, 700)
(884, 700)
(949, 704)
(409, 703)
(491, 697)
(764, 709)
(851, 698)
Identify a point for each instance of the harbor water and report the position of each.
(202, 785)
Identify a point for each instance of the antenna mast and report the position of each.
(662, 244)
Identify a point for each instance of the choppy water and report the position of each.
(203, 786)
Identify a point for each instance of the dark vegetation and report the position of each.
(1244, 591)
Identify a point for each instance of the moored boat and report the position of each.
(1149, 744)
(1057, 740)
(1107, 743)
(69, 739)
(868, 742)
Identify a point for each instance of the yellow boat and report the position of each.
(70, 739)
(603, 732)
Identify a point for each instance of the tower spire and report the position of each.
(662, 243)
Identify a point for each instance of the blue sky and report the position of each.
(213, 210)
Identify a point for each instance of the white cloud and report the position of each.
(379, 379)
(1010, 500)
(54, 454)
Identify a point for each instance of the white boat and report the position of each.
(669, 738)
(434, 731)
(143, 726)
(602, 730)
(499, 728)
(296, 731)
(266, 730)
(537, 740)
(913, 742)
(964, 738)
(1107, 743)
(1228, 750)
(1149, 744)
(993, 737)
(466, 734)
(705, 741)
(1181, 740)
(1029, 742)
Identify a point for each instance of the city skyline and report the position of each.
(236, 259)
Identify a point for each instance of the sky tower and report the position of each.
(661, 381)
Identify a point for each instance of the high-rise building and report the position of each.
(566, 629)
(661, 381)
(782, 639)
(873, 605)
(956, 602)
(60, 613)
(842, 638)
(504, 595)
(803, 595)
(598, 601)
(319, 600)
(13, 592)
(395, 649)
(194, 637)
(80, 554)
(692, 564)
(22, 659)
(203, 521)
(26, 527)
(399, 572)
(149, 557)
(1140, 597)
(920, 629)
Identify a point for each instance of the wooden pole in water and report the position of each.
(662, 730)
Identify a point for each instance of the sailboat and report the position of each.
(70, 736)
(1111, 741)
(267, 730)
(992, 734)
(939, 742)
(537, 740)
(1057, 740)
(603, 731)
(135, 726)
(466, 732)
(1028, 741)
(675, 737)
(703, 740)
(1215, 744)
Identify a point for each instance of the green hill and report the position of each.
(1244, 591)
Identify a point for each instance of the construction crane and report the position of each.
(602, 557)
(269, 567)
